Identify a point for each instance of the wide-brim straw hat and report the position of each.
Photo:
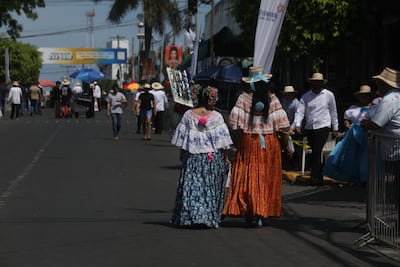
(15, 83)
(389, 76)
(288, 89)
(66, 82)
(146, 86)
(364, 89)
(317, 78)
(157, 86)
(256, 74)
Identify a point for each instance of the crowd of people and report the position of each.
(23, 99)
(265, 126)
(261, 126)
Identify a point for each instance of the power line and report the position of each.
(78, 30)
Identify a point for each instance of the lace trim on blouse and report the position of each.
(210, 135)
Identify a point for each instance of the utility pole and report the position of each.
(90, 15)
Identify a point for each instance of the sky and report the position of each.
(69, 18)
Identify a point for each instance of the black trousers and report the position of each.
(158, 122)
(317, 139)
(15, 110)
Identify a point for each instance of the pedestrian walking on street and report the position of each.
(318, 109)
(147, 110)
(258, 118)
(115, 100)
(34, 97)
(14, 97)
(56, 99)
(204, 140)
(161, 103)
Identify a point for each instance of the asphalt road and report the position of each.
(72, 196)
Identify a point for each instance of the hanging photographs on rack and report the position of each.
(180, 86)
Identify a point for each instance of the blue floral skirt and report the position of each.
(200, 192)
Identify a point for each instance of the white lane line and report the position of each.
(13, 185)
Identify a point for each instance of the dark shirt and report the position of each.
(145, 100)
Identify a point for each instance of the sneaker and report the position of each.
(116, 138)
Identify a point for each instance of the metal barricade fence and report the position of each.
(383, 189)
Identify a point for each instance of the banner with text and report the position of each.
(84, 55)
(270, 19)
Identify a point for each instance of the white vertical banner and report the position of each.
(7, 64)
(270, 19)
(193, 68)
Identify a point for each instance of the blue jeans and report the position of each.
(116, 123)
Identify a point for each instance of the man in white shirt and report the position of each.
(14, 97)
(97, 95)
(318, 108)
(161, 102)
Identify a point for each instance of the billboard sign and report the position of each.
(84, 55)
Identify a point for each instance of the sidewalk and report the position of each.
(335, 212)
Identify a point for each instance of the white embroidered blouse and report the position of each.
(195, 137)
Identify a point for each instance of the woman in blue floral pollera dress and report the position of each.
(204, 139)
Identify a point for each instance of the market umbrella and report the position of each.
(47, 83)
(224, 73)
(87, 75)
(132, 86)
(229, 73)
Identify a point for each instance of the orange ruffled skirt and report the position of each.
(256, 178)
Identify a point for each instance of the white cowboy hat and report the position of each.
(15, 83)
(157, 86)
(146, 86)
(289, 89)
(389, 76)
(256, 73)
(317, 77)
(364, 89)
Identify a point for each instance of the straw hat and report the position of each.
(15, 83)
(256, 73)
(364, 89)
(288, 89)
(389, 76)
(317, 77)
(77, 84)
(65, 82)
(146, 86)
(157, 86)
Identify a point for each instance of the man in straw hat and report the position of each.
(161, 102)
(318, 108)
(14, 97)
(387, 116)
(290, 103)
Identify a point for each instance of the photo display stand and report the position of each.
(180, 86)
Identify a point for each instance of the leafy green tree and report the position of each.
(156, 14)
(7, 17)
(25, 61)
(311, 28)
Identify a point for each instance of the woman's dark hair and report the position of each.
(207, 97)
(173, 48)
(261, 94)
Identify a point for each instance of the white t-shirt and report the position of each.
(115, 104)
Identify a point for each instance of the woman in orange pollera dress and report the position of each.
(256, 180)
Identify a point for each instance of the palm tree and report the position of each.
(156, 13)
